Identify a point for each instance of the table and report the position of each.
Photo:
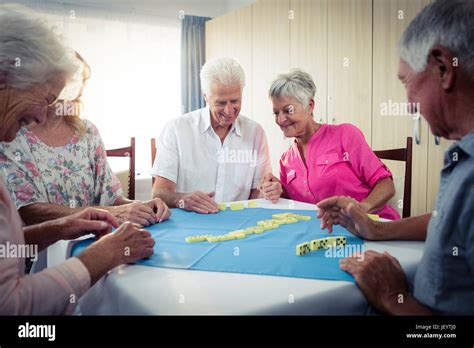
(142, 290)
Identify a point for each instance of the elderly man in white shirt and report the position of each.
(212, 154)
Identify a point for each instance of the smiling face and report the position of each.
(22, 107)
(224, 103)
(291, 116)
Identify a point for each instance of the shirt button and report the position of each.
(435, 213)
(327, 161)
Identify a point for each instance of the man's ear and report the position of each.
(205, 98)
(445, 65)
(311, 104)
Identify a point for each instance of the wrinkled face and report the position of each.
(291, 116)
(22, 107)
(423, 90)
(224, 103)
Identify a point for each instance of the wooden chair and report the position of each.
(405, 155)
(128, 151)
(153, 155)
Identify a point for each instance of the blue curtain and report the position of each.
(193, 51)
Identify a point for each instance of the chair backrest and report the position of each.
(153, 155)
(129, 152)
(405, 155)
(153, 150)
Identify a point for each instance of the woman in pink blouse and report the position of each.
(324, 160)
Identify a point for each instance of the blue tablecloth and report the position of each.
(269, 253)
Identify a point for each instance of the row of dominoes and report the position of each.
(238, 206)
(318, 244)
(262, 226)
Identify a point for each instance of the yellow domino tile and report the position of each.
(301, 217)
(213, 239)
(315, 244)
(239, 235)
(259, 230)
(198, 238)
(252, 204)
(237, 206)
(226, 237)
(374, 217)
(222, 206)
(237, 232)
(303, 248)
(281, 215)
(249, 230)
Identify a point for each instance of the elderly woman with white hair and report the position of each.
(34, 67)
(324, 160)
(213, 154)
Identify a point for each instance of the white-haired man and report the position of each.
(437, 69)
(212, 154)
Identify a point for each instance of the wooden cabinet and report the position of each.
(216, 37)
(391, 123)
(231, 36)
(308, 47)
(270, 56)
(350, 63)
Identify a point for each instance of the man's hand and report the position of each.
(271, 188)
(346, 211)
(380, 277)
(200, 202)
(160, 208)
(136, 212)
(90, 220)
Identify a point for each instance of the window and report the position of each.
(135, 82)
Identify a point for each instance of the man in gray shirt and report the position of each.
(437, 69)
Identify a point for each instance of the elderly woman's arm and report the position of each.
(379, 196)
(143, 213)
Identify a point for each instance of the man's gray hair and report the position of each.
(449, 23)
(30, 51)
(296, 83)
(223, 70)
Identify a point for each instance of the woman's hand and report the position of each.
(90, 220)
(160, 208)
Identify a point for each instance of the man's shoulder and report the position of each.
(190, 118)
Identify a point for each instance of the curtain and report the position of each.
(193, 51)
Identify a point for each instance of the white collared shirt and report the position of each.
(191, 154)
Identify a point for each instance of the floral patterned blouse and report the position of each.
(76, 174)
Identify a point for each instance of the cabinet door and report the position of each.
(239, 46)
(216, 37)
(270, 56)
(308, 47)
(391, 123)
(350, 63)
